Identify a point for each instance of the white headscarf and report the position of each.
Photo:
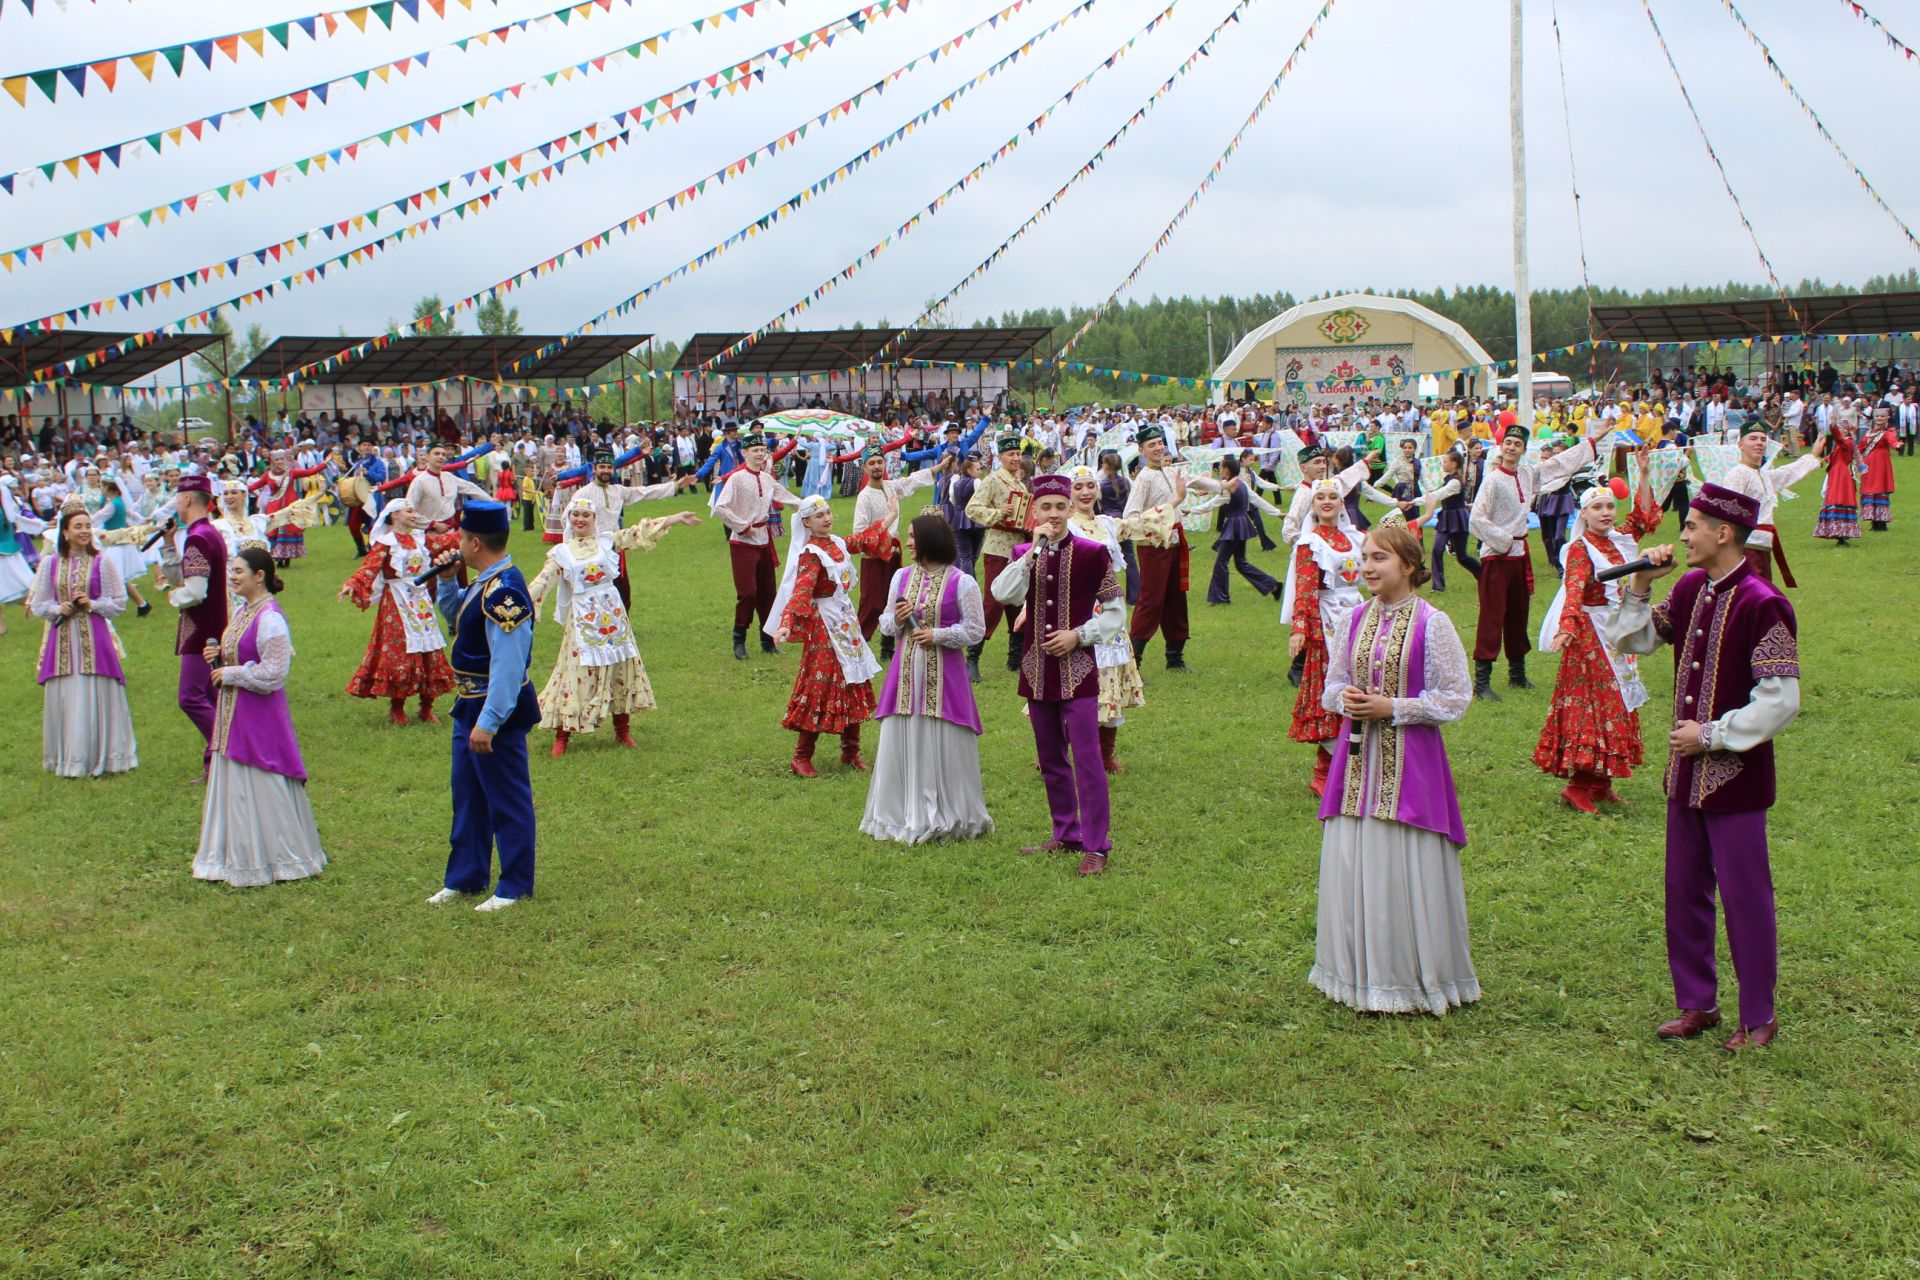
(796, 547)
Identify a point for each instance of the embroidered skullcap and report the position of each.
(1328, 485)
(580, 500)
(1081, 472)
(1725, 504)
(1599, 495)
(811, 505)
(871, 451)
(1309, 453)
(752, 442)
(1147, 435)
(1009, 444)
(484, 516)
(195, 484)
(603, 456)
(1516, 431)
(1052, 486)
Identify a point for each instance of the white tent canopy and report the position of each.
(1351, 346)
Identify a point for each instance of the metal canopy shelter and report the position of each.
(821, 351)
(582, 357)
(403, 362)
(1841, 315)
(29, 353)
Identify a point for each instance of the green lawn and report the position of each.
(734, 1037)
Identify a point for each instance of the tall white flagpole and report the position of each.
(1522, 294)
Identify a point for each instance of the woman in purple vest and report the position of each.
(257, 826)
(87, 729)
(1393, 912)
(926, 774)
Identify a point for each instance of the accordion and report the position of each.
(1015, 516)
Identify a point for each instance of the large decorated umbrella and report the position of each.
(826, 422)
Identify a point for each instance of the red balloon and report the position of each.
(1618, 486)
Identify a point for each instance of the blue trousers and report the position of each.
(492, 806)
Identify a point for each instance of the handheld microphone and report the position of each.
(433, 571)
(165, 528)
(1614, 572)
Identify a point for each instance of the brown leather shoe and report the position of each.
(1051, 846)
(1753, 1037)
(1093, 864)
(1689, 1024)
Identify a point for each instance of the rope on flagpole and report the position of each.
(1773, 277)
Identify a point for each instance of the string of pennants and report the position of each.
(730, 79)
(933, 207)
(556, 165)
(1819, 125)
(1893, 42)
(105, 73)
(28, 5)
(1085, 170)
(737, 168)
(1193, 199)
(165, 393)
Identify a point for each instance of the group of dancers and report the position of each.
(1382, 669)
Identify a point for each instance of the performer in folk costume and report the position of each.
(999, 504)
(744, 504)
(1592, 733)
(113, 523)
(86, 726)
(493, 707)
(609, 500)
(876, 535)
(280, 490)
(832, 692)
(1555, 505)
(1499, 520)
(1839, 519)
(1238, 503)
(1736, 686)
(231, 519)
(435, 489)
(926, 771)
(1752, 477)
(1071, 593)
(598, 672)
(1392, 920)
(1153, 507)
(1299, 518)
(16, 571)
(1120, 687)
(256, 826)
(1326, 576)
(406, 656)
(198, 582)
(1876, 486)
(1453, 496)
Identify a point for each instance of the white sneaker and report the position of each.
(444, 896)
(496, 903)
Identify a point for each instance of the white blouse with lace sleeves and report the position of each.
(1339, 668)
(1448, 691)
(276, 658)
(112, 600)
(40, 601)
(972, 627)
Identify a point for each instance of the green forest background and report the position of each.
(1167, 336)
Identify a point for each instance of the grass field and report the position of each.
(732, 1037)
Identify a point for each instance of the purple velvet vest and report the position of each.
(205, 552)
(255, 728)
(1726, 639)
(1070, 579)
(1388, 654)
(946, 691)
(80, 645)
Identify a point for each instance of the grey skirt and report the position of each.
(86, 729)
(257, 827)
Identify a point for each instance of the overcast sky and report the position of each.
(1383, 160)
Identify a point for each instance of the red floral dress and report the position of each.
(1589, 729)
(822, 701)
(1312, 722)
(388, 670)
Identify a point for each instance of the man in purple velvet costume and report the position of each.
(199, 592)
(1073, 602)
(1736, 685)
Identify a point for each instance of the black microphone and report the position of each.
(1614, 572)
(423, 578)
(165, 528)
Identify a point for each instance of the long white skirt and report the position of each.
(926, 783)
(16, 579)
(1393, 919)
(256, 828)
(86, 728)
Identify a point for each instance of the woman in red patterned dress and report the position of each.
(832, 693)
(1839, 520)
(1592, 734)
(406, 656)
(1326, 588)
(1876, 486)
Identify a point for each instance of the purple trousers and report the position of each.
(1076, 787)
(1727, 851)
(196, 695)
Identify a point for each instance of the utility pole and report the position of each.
(1211, 363)
(1522, 293)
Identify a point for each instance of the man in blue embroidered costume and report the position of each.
(494, 706)
(1736, 685)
